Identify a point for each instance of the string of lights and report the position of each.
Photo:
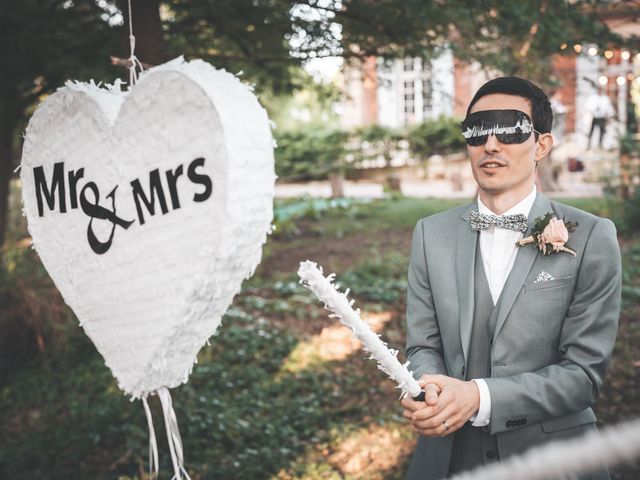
(626, 58)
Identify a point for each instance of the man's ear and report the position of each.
(544, 145)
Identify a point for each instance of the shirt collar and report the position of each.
(523, 206)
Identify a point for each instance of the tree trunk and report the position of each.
(8, 121)
(336, 179)
(394, 182)
(147, 28)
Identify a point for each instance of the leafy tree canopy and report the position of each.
(42, 43)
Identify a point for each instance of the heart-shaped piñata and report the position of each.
(148, 209)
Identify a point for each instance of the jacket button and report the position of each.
(463, 370)
(490, 454)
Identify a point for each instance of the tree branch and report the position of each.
(524, 50)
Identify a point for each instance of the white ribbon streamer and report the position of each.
(173, 435)
(153, 444)
(339, 304)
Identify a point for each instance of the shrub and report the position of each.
(310, 154)
(375, 141)
(33, 312)
(439, 136)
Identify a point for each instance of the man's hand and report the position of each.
(431, 392)
(456, 403)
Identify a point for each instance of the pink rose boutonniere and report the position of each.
(550, 235)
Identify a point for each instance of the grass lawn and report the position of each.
(282, 392)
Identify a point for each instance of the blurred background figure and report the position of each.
(601, 109)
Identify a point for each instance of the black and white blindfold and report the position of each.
(509, 126)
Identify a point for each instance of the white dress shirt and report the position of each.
(499, 250)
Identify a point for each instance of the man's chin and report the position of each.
(491, 188)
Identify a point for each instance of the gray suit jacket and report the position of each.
(552, 342)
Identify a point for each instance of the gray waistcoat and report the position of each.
(473, 446)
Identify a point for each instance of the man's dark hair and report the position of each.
(541, 114)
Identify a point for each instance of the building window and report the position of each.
(409, 101)
(427, 96)
(408, 65)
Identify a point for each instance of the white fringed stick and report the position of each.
(311, 277)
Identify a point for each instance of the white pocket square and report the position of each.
(543, 277)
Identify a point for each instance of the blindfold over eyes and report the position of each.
(509, 126)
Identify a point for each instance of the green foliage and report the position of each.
(439, 136)
(33, 315)
(240, 415)
(310, 154)
(382, 280)
(630, 169)
(540, 223)
(519, 38)
(58, 38)
(252, 407)
(312, 103)
(632, 212)
(238, 35)
(265, 39)
(629, 144)
(515, 38)
(43, 44)
(631, 275)
(610, 207)
(375, 141)
(287, 214)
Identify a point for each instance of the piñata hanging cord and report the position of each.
(134, 63)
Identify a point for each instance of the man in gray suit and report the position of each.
(511, 343)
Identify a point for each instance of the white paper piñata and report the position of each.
(312, 277)
(148, 208)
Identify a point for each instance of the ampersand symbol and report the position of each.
(94, 210)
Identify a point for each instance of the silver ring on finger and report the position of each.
(446, 425)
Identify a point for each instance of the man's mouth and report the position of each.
(491, 164)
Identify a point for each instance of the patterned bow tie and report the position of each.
(480, 221)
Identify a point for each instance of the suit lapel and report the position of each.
(466, 242)
(522, 266)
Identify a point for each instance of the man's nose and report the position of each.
(492, 144)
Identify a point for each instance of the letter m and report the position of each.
(42, 190)
(155, 187)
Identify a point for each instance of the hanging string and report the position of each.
(134, 63)
(153, 444)
(173, 435)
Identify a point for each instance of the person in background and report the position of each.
(601, 109)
